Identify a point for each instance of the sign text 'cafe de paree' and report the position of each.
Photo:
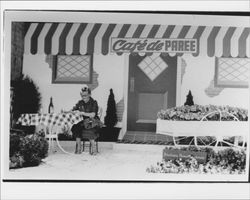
(153, 45)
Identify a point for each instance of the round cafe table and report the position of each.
(51, 120)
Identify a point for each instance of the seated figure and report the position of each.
(88, 108)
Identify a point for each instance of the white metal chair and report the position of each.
(52, 135)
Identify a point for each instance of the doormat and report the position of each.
(139, 137)
(145, 142)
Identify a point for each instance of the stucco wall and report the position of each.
(199, 72)
(110, 69)
(198, 75)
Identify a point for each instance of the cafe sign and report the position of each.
(157, 45)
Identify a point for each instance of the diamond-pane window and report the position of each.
(152, 66)
(72, 69)
(232, 72)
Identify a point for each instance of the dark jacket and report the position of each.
(89, 107)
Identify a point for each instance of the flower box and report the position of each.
(171, 154)
(199, 113)
(194, 160)
(202, 128)
(199, 122)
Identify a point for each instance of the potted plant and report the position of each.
(110, 132)
(204, 121)
(189, 100)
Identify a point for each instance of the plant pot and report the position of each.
(28, 130)
(109, 134)
(201, 129)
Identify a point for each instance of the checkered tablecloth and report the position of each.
(55, 119)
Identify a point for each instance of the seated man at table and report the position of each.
(88, 108)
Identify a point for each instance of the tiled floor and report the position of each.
(139, 137)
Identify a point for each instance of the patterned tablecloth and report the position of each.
(52, 119)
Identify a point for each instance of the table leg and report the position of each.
(58, 144)
(57, 141)
(51, 136)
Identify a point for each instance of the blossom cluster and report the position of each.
(191, 166)
(27, 150)
(228, 161)
(197, 112)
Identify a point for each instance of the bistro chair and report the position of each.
(51, 134)
(86, 142)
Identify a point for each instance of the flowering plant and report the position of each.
(27, 150)
(196, 112)
(228, 161)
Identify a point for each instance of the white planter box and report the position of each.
(203, 128)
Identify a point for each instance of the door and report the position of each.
(151, 87)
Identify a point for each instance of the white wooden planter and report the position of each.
(218, 129)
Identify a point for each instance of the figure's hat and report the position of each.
(84, 89)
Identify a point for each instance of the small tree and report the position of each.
(189, 100)
(27, 98)
(110, 119)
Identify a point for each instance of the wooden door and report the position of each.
(151, 87)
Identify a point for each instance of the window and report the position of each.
(232, 72)
(152, 66)
(72, 69)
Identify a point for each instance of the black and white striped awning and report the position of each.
(94, 38)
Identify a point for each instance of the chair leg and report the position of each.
(50, 144)
(96, 143)
(93, 147)
(78, 146)
(90, 148)
(83, 146)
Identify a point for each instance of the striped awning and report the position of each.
(94, 38)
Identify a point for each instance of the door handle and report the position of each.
(132, 84)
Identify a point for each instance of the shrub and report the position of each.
(229, 158)
(189, 100)
(27, 98)
(15, 141)
(227, 161)
(110, 119)
(27, 150)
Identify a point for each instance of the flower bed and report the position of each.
(227, 161)
(203, 121)
(27, 150)
(196, 112)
